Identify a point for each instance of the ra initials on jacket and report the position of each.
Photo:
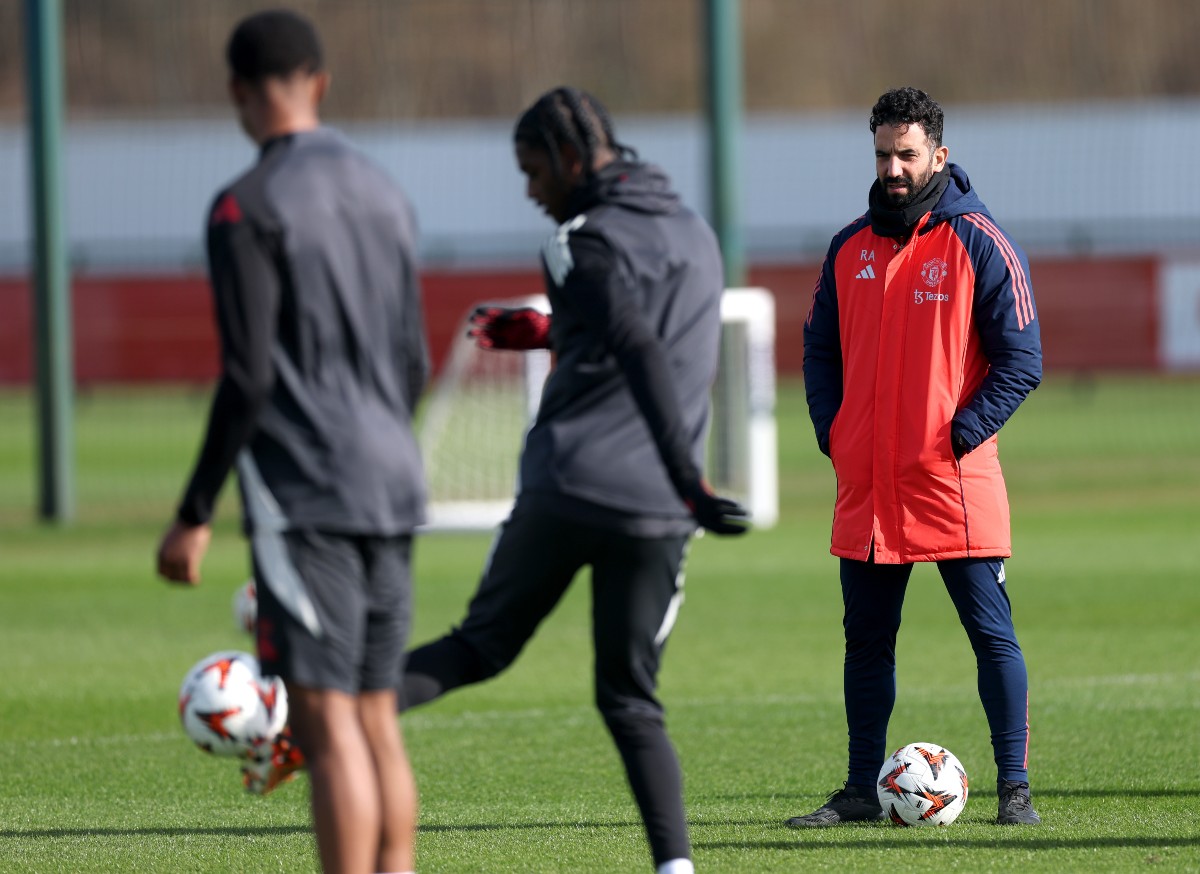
(924, 269)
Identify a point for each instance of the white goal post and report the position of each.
(474, 422)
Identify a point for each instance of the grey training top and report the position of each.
(634, 282)
(323, 352)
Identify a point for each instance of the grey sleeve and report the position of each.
(246, 292)
(595, 289)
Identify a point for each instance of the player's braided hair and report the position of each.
(909, 106)
(569, 116)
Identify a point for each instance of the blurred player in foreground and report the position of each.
(323, 355)
(611, 469)
(922, 341)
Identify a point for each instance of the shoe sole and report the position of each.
(798, 823)
(801, 822)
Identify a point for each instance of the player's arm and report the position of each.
(595, 288)
(246, 295)
(823, 354)
(1006, 318)
(246, 292)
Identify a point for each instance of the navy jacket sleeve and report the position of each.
(823, 354)
(595, 288)
(246, 292)
(1006, 319)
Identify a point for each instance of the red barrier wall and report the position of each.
(160, 329)
(1094, 313)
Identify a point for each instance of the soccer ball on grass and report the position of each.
(228, 709)
(922, 784)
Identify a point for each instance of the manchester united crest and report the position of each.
(934, 272)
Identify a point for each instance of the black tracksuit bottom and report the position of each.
(636, 592)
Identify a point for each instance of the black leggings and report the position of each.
(637, 587)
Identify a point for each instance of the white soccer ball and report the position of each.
(245, 606)
(228, 709)
(922, 784)
(275, 699)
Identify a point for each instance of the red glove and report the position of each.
(501, 328)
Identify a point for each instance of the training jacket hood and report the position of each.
(630, 185)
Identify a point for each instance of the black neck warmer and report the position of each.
(888, 221)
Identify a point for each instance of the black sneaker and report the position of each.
(1015, 807)
(848, 804)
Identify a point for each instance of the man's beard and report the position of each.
(899, 201)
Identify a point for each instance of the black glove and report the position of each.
(716, 514)
(823, 445)
(958, 445)
(501, 328)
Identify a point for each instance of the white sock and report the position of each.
(676, 866)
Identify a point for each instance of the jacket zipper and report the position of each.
(911, 245)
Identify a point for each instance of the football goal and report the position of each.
(474, 422)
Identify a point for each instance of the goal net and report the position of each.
(473, 425)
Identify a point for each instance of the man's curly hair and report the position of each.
(909, 105)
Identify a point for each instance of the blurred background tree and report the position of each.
(413, 59)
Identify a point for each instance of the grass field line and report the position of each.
(577, 714)
(574, 715)
(566, 716)
(1156, 679)
(98, 741)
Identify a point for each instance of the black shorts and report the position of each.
(333, 609)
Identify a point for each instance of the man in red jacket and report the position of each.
(922, 341)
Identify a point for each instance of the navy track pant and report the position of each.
(873, 595)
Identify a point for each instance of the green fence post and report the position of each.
(724, 61)
(51, 278)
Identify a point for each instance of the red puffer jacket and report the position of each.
(907, 348)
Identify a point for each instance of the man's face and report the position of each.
(545, 185)
(905, 161)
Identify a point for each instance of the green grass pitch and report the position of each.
(518, 774)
